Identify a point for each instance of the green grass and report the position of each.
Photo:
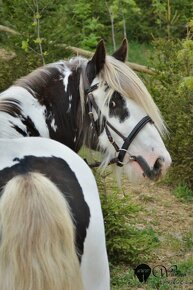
(183, 192)
(123, 278)
(188, 241)
(185, 268)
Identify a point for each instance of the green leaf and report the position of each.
(25, 45)
(37, 15)
(38, 40)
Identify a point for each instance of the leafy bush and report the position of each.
(125, 242)
(15, 68)
(173, 91)
(83, 23)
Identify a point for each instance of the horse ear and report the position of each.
(95, 65)
(121, 53)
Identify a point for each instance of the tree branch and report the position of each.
(112, 25)
(132, 65)
(8, 29)
(38, 31)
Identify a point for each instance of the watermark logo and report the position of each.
(143, 271)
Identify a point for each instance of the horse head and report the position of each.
(124, 117)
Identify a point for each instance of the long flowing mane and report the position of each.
(124, 80)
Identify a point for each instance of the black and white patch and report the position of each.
(30, 129)
(117, 107)
(63, 109)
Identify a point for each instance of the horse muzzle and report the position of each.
(156, 171)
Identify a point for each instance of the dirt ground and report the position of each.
(171, 218)
(172, 221)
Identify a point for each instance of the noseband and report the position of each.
(106, 125)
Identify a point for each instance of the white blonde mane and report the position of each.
(124, 80)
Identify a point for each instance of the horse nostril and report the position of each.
(158, 164)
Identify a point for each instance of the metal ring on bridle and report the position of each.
(131, 157)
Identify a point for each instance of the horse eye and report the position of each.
(113, 104)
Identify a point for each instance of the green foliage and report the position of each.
(182, 191)
(17, 67)
(82, 23)
(29, 19)
(125, 242)
(173, 91)
(166, 17)
(140, 52)
(90, 26)
(160, 18)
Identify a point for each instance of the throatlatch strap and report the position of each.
(130, 138)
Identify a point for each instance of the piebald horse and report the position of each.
(52, 231)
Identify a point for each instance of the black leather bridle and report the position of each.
(105, 124)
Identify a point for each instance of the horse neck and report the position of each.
(64, 112)
(51, 97)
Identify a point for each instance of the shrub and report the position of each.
(15, 68)
(173, 92)
(125, 242)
